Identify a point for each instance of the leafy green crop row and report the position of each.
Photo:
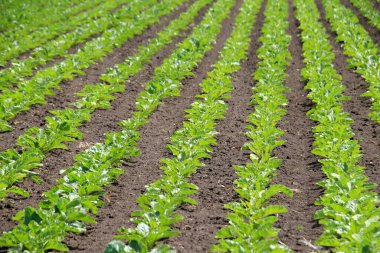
(39, 56)
(31, 13)
(34, 90)
(189, 144)
(64, 127)
(368, 10)
(358, 45)
(252, 219)
(67, 206)
(350, 213)
(16, 43)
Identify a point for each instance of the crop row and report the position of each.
(189, 144)
(350, 213)
(358, 45)
(367, 9)
(24, 67)
(67, 206)
(33, 91)
(64, 126)
(20, 41)
(28, 14)
(252, 218)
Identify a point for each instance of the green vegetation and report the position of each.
(21, 68)
(358, 45)
(368, 10)
(350, 213)
(67, 206)
(252, 219)
(14, 43)
(64, 126)
(33, 91)
(189, 144)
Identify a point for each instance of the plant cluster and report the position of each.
(358, 45)
(32, 12)
(252, 219)
(14, 43)
(189, 144)
(25, 67)
(67, 206)
(350, 213)
(369, 11)
(64, 127)
(34, 90)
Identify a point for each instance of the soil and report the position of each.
(143, 170)
(102, 120)
(299, 171)
(367, 132)
(215, 179)
(372, 30)
(66, 95)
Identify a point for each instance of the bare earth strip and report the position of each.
(300, 169)
(66, 95)
(215, 179)
(373, 32)
(102, 121)
(366, 130)
(142, 170)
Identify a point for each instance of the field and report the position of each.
(190, 126)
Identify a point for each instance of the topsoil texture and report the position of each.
(300, 169)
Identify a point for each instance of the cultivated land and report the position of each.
(190, 126)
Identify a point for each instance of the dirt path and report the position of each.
(143, 170)
(66, 95)
(102, 121)
(367, 132)
(300, 169)
(215, 179)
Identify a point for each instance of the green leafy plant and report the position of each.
(64, 126)
(358, 45)
(252, 219)
(369, 11)
(350, 213)
(13, 43)
(67, 206)
(21, 68)
(33, 91)
(190, 143)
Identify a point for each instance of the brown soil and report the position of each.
(215, 179)
(372, 30)
(140, 171)
(66, 95)
(367, 132)
(376, 4)
(102, 121)
(300, 170)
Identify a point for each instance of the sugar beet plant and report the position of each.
(64, 126)
(350, 213)
(20, 41)
(33, 91)
(21, 68)
(367, 8)
(252, 219)
(11, 17)
(188, 145)
(67, 206)
(358, 45)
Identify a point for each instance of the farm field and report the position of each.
(190, 126)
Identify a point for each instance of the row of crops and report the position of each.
(36, 56)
